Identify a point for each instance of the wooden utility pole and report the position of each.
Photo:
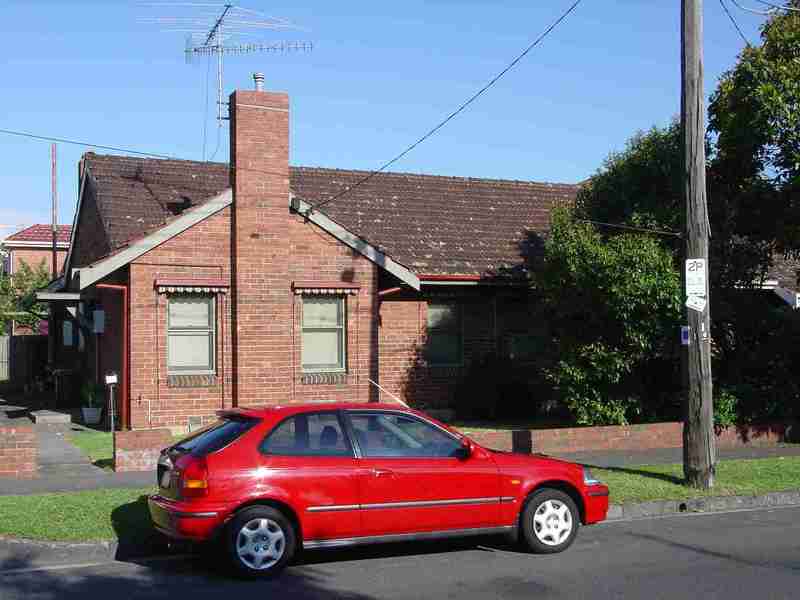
(699, 453)
(54, 192)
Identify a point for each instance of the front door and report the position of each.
(411, 480)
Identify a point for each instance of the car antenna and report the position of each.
(391, 395)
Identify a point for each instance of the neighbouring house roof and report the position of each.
(40, 235)
(432, 225)
(785, 272)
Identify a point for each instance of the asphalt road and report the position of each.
(752, 555)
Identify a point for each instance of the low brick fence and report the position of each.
(138, 450)
(628, 437)
(18, 452)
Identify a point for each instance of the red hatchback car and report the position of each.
(267, 482)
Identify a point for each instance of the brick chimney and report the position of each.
(260, 290)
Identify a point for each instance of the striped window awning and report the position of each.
(336, 288)
(192, 286)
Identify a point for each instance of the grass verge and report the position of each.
(733, 478)
(122, 514)
(79, 516)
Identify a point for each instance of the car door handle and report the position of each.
(382, 473)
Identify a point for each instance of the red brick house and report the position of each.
(218, 285)
(33, 246)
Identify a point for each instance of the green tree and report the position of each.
(18, 295)
(754, 115)
(614, 305)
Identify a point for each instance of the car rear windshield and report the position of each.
(216, 437)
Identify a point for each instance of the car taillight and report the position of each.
(194, 478)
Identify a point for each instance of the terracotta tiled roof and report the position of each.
(438, 225)
(785, 271)
(42, 233)
(431, 224)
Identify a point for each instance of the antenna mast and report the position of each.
(216, 33)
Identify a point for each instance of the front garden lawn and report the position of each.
(122, 514)
(99, 446)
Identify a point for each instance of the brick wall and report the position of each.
(260, 294)
(489, 316)
(631, 437)
(18, 452)
(139, 450)
(34, 256)
(267, 321)
(316, 257)
(200, 252)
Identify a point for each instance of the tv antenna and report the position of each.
(218, 29)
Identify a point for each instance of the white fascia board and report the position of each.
(791, 297)
(53, 292)
(305, 210)
(58, 296)
(90, 275)
(11, 244)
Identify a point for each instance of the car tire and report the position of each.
(260, 542)
(550, 521)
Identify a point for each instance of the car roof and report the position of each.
(291, 409)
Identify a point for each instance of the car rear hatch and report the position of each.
(174, 460)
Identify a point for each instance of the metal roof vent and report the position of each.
(258, 78)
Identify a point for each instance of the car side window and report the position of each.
(394, 435)
(315, 434)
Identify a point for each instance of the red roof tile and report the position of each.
(431, 224)
(41, 233)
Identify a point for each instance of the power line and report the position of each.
(86, 144)
(219, 139)
(762, 13)
(779, 6)
(735, 24)
(632, 228)
(453, 114)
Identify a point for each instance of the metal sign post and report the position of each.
(111, 381)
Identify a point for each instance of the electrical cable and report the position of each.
(86, 144)
(735, 24)
(453, 114)
(632, 228)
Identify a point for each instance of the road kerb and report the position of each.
(710, 504)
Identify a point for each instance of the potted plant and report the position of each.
(91, 402)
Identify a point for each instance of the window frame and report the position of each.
(340, 329)
(211, 299)
(460, 327)
(348, 439)
(516, 338)
(373, 412)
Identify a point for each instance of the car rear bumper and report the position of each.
(596, 503)
(180, 520)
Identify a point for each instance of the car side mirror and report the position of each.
(464, 451)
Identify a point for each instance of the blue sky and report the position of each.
(380, 74)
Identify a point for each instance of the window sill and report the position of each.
(191, 381)
(324, 378)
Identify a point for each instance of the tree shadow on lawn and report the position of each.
(648, 474)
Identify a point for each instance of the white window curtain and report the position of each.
(191, 326)
(323, 336)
